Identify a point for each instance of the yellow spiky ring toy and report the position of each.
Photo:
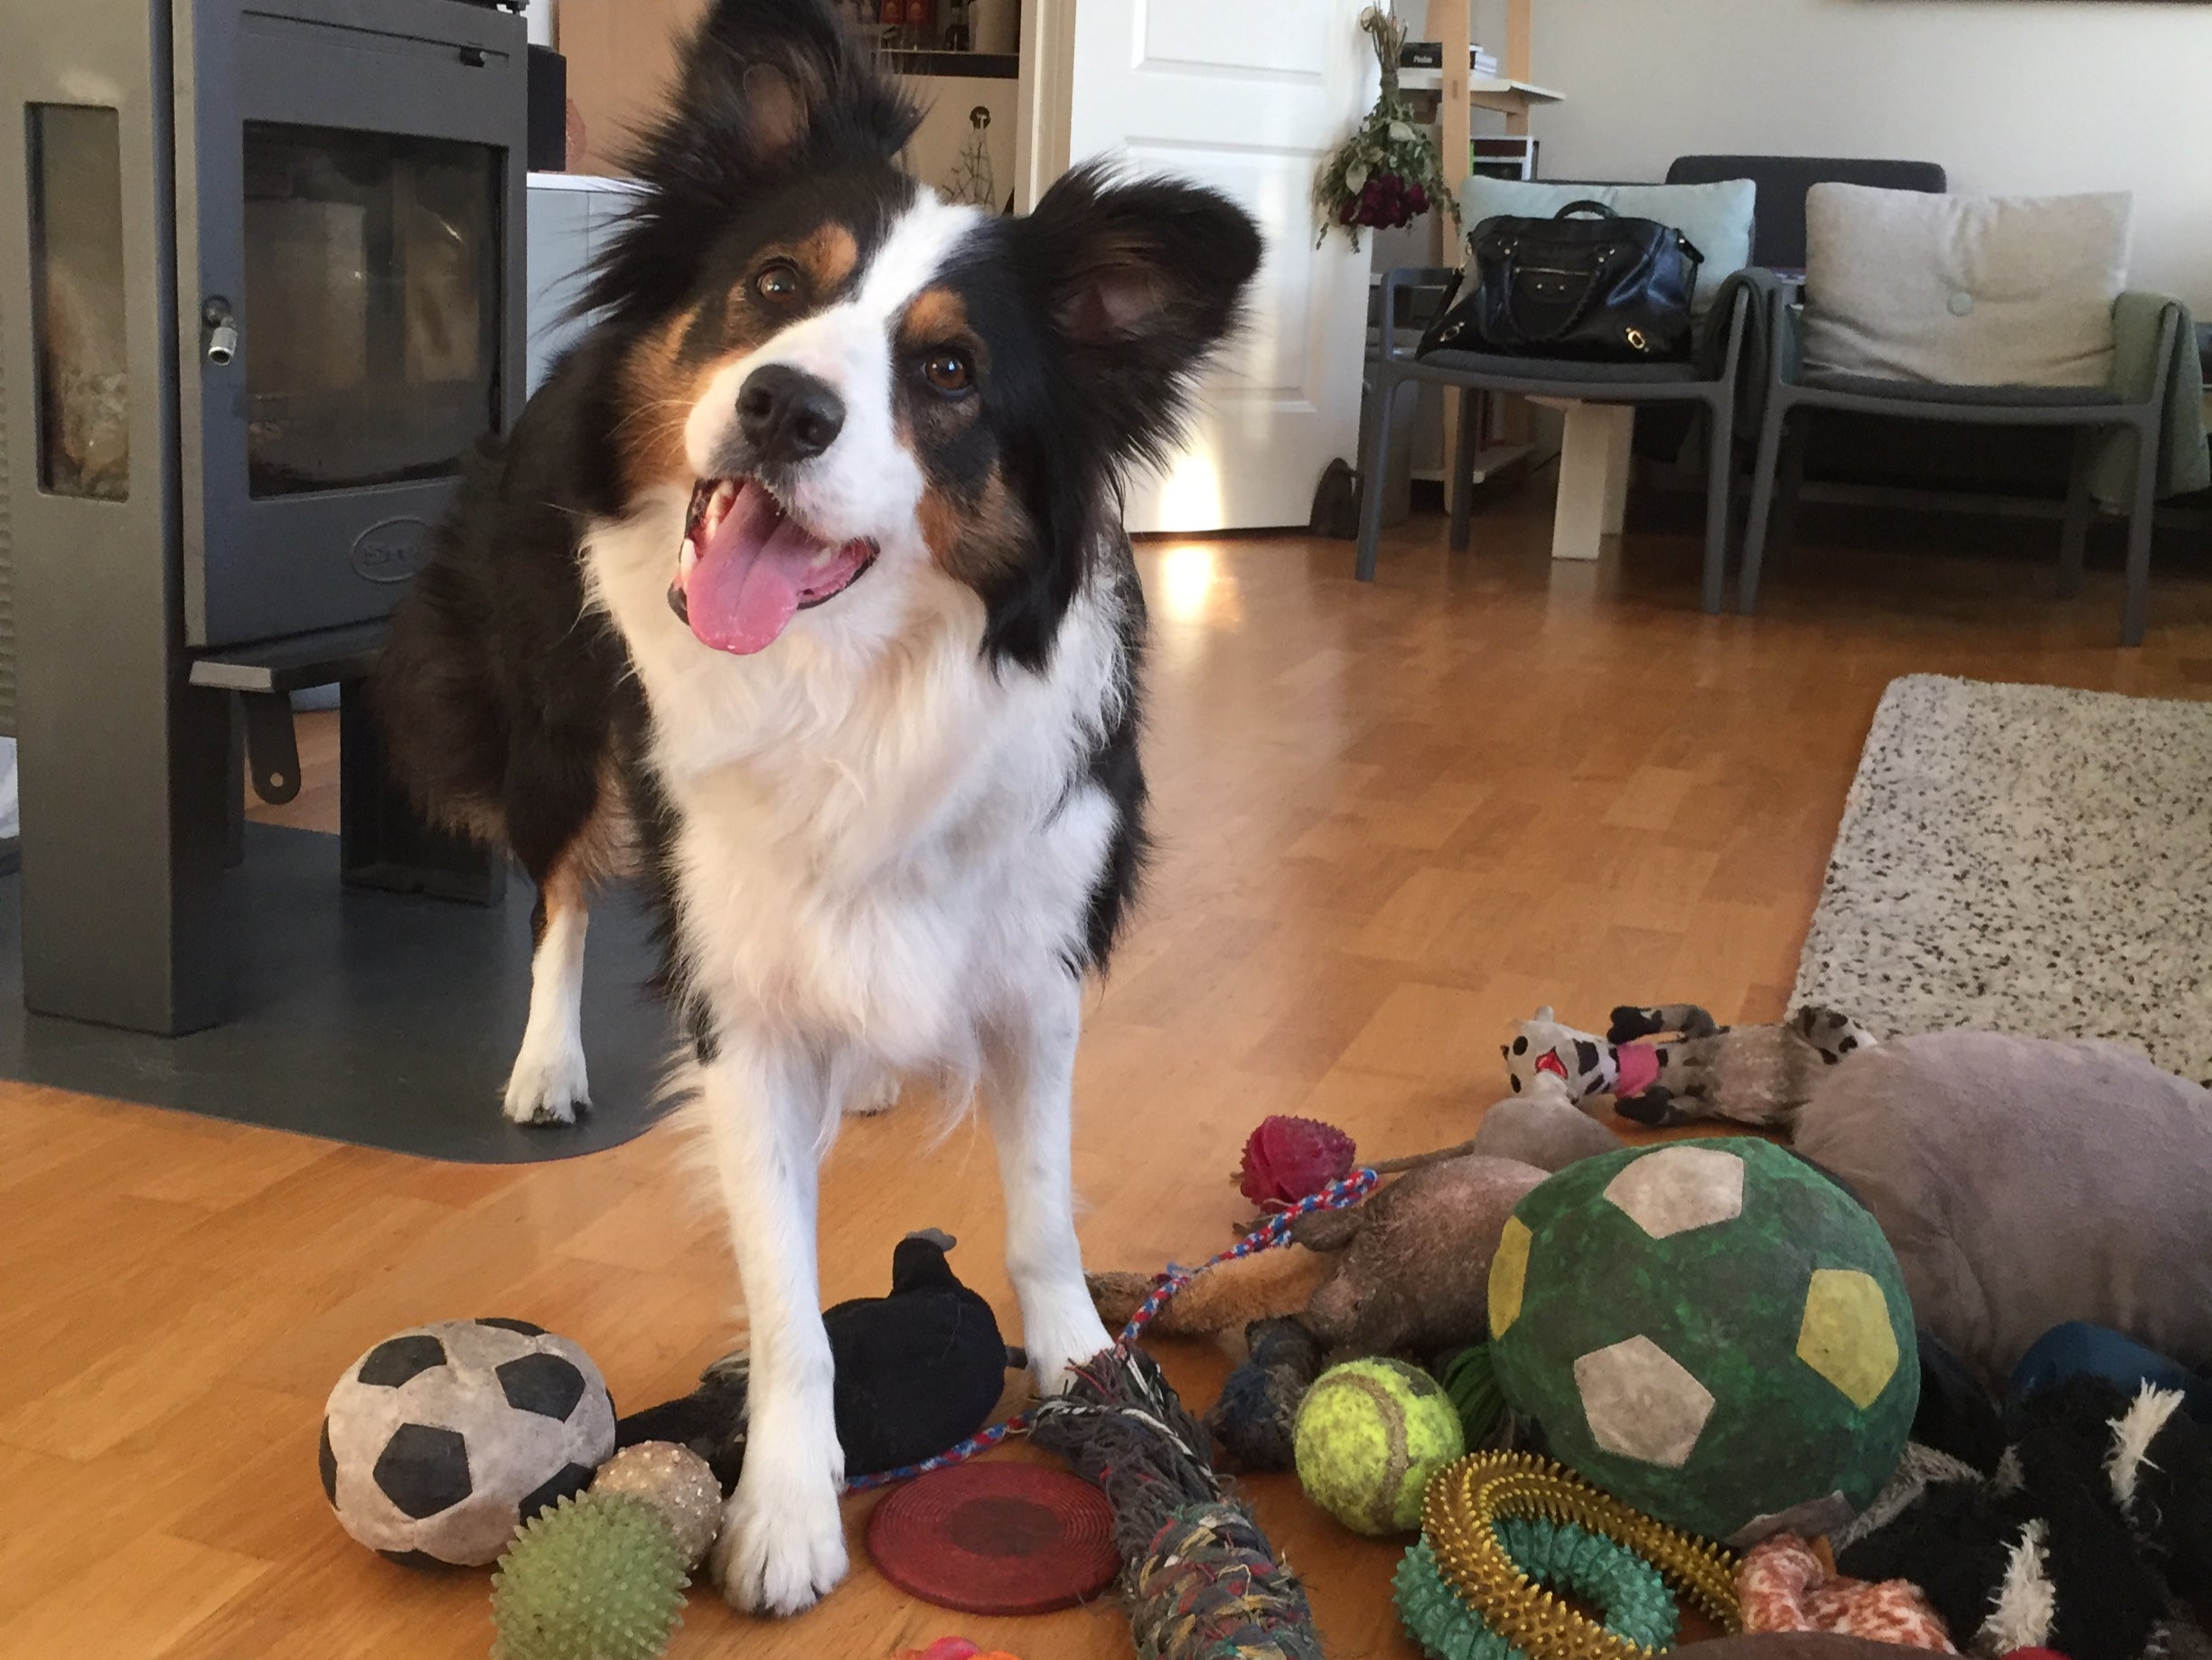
(1504, 1534)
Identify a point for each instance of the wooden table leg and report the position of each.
(1593, 476)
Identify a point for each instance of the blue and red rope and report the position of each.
(1272, 1231)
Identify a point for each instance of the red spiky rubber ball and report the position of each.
(1286, 1159)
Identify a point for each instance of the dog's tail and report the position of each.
(433, 695)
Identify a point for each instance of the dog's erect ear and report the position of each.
(764, 88)
(767, 82)
(1142, 279)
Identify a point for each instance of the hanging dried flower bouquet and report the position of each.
(1387, 172)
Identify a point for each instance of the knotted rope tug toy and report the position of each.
(1504, 1534)
(1202, 1579)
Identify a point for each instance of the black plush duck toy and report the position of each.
(917, 1372)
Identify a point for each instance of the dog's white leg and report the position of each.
(782, 1542)
(1029, 1092)
(874, 1097)
(547, 1084)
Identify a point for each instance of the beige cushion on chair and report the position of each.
(1964, 290)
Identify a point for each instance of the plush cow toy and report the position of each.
(1751, 1074)
(1586, 1064)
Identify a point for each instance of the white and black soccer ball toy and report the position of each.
(439, 1442)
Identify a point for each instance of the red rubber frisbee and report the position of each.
(995, 1539)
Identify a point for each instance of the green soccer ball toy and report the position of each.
(1712, 1331)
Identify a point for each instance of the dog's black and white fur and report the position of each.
(890, 839)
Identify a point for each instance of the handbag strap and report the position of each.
(1590, 205)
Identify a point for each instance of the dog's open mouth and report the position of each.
(747, 566)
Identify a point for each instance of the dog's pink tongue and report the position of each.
(745, 586)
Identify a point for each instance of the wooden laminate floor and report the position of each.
(1394, 819)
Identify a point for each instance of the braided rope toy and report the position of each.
(1637, 1604)
(1461, 1517)
(1202, 1579)
(1274, 1231)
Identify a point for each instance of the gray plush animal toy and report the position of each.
(1751, 1074)
(1544, 1126)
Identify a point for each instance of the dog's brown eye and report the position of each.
(778, 283)
(948, 371)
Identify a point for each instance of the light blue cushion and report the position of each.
(1716, 217)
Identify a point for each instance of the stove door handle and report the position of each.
(223, 335)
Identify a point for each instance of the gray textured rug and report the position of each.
(2028, 859)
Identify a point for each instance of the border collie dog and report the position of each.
(801, 587)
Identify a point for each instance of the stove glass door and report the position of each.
(372, 281)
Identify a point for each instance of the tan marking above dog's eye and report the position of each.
(778, 282)
(948, 371)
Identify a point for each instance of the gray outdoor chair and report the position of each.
(1708, 380)
(1778, 235)
(2135, 401)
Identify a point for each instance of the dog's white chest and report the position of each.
(902, 951)
(875, 846)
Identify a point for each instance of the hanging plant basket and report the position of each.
(1387, 173)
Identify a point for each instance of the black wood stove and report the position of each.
(261, 286)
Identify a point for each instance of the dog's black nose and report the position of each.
(787, 415)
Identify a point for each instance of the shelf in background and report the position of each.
(1494, 459)
(953, 65)
(1492, 462)
(1488, 92)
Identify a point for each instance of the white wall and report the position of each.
(2018, 96)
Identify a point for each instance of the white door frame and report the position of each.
(1047, 77)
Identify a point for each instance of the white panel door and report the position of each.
(1246, 95)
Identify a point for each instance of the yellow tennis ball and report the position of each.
(1370, 1434)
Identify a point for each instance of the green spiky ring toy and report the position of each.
(1506, 1533)
(1632, 1597)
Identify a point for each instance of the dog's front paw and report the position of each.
(875, 1099)
(547, 1088)
(1062, 1339)
(783, 1542)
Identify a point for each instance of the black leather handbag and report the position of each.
(1604, 289)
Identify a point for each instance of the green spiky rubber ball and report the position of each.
(599, 1577)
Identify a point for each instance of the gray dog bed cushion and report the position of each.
(2024, 1183)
